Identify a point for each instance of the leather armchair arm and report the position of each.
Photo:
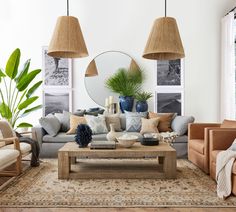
(196, 130)
(222, 138)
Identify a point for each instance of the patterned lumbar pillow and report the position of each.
(97, 124)
(133, 121)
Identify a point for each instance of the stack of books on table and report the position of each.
(103, 145)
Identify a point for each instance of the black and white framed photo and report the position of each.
(169, 102)
(170, 73)
(55, 101)
(57, 72)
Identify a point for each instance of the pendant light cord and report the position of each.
(165, 7)
(67, 4)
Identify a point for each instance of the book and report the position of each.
(103, 145)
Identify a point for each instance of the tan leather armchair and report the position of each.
(221, 139)
(198, 144)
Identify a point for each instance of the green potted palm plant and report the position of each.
(16, 90)
(141, 104)
(126, 83)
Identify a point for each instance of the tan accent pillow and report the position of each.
(164, 122)
(149, 125)
(113, 119)
(228, 124)
(74, 122)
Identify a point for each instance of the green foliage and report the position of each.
(125, 82)
(15, 96)
(143, 96)
(24, 124)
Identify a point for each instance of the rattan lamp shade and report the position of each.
(91, 70)
(164, 42)
(67, 40)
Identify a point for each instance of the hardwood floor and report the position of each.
(117, 209)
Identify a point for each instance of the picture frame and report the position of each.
(169, 101)
(56, 72)
(170, 73)
(56, 100)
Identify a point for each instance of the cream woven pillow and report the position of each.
(149, 125)
(74, 122)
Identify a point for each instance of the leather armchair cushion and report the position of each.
(197, 145)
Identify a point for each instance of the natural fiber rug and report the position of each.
(40, 187)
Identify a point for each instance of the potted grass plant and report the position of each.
(17, 90)
(126, 83)
(141, 104)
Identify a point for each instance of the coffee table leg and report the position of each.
(160, 159)
(169, 166)
(63, 165)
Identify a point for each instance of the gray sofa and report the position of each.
(50, 144)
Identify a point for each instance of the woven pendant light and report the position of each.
(67, 40)
(164, 42)
(91, 70)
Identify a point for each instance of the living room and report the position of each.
(117, 106)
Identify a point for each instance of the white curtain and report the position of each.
(227, 109)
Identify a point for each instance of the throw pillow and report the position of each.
(74, 122)
(228, 124)
(97, 124)
(123, 121)
(133, 121)
(64, 119)
(113, 119)
(180, 124)
(149, 125)
(50, 124)
(164, 122)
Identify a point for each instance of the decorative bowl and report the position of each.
(127, 140)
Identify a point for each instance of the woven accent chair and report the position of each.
(11, 150)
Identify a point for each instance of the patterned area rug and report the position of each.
(39, 187)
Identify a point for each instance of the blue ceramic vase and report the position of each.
(126, 103)
(141, 106)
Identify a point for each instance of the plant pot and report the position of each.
(126, 103)
(141, 106)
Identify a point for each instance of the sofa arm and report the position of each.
(196, 130)
(222, 138)
(37, 134)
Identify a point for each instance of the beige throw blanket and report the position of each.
(224, 163)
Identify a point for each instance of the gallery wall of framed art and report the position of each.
(57, 83)
(169, 93)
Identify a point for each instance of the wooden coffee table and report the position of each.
(150, 162)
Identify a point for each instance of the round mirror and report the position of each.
(100, 69)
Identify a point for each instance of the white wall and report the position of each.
(124, 25)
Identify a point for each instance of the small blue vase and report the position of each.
(141, 106)
(126, 103)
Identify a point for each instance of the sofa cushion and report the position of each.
(164, 122)
(61, 137)
(51, 124)
(8, 156)
(113, 119)
(97, 124)
(74, 122)
(24, 147)
(197, 145)
(180, 124)
(133, 121)
(181, 139)
(64, 119)
(149, 125)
